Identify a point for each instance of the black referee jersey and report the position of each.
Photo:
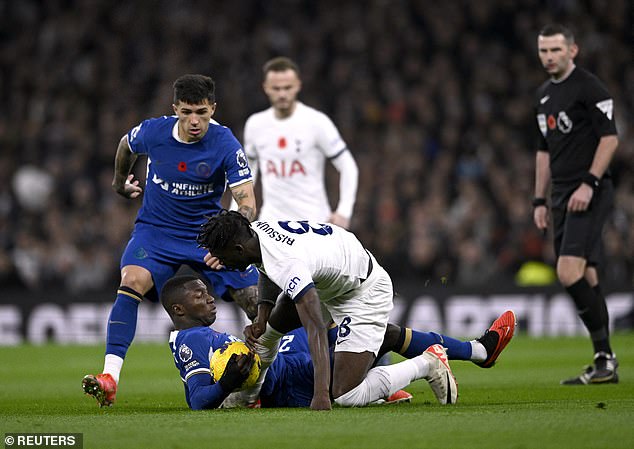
(572, 115)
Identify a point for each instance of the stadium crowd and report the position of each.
(435, 100)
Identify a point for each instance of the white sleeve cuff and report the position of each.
(348, 182)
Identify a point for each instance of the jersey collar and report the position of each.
(565, 77)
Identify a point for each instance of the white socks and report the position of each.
(267, 346)
(383, 381)
(112, 365)
(478, 352)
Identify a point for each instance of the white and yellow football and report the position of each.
(220, 357)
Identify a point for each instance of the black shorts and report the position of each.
(579, 233)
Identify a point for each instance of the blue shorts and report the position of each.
(162, 255)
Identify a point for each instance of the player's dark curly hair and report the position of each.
(228, 226)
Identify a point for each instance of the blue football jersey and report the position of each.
(185, 181)
(192, 349)
(289, 381)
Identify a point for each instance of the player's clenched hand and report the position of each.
(339, 220)
(252, 332)
(580, 199)
(236, 371)
(245, 363)
(130, 188)
(213, 262)
(321, 402)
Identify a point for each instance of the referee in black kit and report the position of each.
(577, 139)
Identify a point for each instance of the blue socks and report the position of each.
(122, 321)
(412, 343)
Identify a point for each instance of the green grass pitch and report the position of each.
(516, 404)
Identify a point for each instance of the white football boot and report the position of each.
(440, 378)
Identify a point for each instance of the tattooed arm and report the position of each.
(244, 196)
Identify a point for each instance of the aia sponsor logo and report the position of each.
(285, 169)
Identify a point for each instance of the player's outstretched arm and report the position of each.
(268, 293)
(123, 182)
(309, 310)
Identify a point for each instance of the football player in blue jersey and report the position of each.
(289, 380)
(190, 160)
(192, 310)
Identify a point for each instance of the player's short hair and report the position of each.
(556, 28)
(194, 89)
(225, 228)
(280, 64)
(173, 291)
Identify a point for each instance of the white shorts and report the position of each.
(362, 315)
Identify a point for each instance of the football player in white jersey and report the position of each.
(288, 145)
(312, 269)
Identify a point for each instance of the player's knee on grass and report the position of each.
(375, 386)
(350, 368)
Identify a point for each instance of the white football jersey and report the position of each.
(299, 254)
(291, 155)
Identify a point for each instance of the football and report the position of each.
(221, 356)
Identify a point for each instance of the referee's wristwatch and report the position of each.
(591, 180)
(538, 201)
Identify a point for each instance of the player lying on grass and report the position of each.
(323, 269)
(289, 380)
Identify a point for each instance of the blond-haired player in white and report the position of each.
(288, 145)
(313, 268)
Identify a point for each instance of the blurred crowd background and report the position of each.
(435, 100)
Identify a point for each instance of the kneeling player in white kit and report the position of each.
(317, 268)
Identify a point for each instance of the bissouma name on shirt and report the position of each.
(275, 235)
